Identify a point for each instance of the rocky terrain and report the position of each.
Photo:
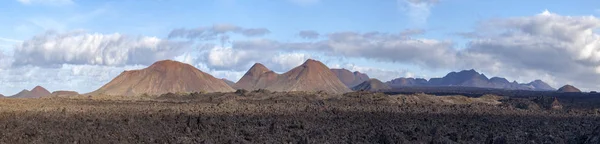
(263, 116)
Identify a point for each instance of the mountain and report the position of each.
(470, 78)
(163, 77)
(467, 78)
(257, 77)
(406, 82)
(64, 93)
(569, 88)
(541, 85)
(350, 79)
(371, 85)
(228, 82)
(312, 75)
(36, 92)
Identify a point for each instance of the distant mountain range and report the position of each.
(470, 78)
(172, 76)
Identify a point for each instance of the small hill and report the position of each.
(371, 85)
(569, 88)
(350, 79)
(64, 93)
(312, 75)
(257, 77)
(163, 77)
(228, 82)
(36, 92)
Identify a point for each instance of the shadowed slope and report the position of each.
(350, 79)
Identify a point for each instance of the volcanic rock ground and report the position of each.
(262, 116)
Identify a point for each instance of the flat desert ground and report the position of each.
(292, 117)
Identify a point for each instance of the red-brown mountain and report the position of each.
(312, 75)
(470, 78)
(36, 92)
(257, 77)
(569, 88)
(350, 79)
(163, 77)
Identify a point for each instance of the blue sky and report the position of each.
(438, 25)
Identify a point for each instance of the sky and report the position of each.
(81, 45)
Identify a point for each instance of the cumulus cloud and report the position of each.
(51, 49)
(379, 73)
(216, 31)
(393, 47)
(565, 47)
(227, 58)
(286, 61)
(308, 34)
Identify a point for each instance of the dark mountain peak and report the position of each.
(499, 80)
(541, 85)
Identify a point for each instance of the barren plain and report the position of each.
(262, 116)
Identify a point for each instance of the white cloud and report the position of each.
(379, 73)
(560, 48)
(80, 78)
(286, 61)
(216, 31)
(51, 49)
(418, 11)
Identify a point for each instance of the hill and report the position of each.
(569, 88)
(350, 79)
(163, 77)
(36, 92)
(312, 75)
(371, 85)
(257, 77)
